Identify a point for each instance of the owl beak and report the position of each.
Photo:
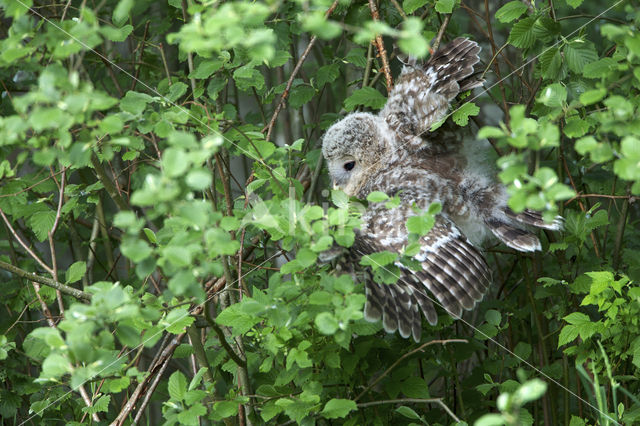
(335, 185)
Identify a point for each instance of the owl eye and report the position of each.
(350, 165)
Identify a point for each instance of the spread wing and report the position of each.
(422, 94)
(453, 273)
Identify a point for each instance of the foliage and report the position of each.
(166, 224)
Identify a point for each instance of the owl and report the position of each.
(396, 153)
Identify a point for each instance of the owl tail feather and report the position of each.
(453, 66)
(398, 307)
(533, 218)
(513, 237)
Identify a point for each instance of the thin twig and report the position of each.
(381, 50)
(399, 8)
(108, 184)
(158, 368)
(441, 31)
(24, 245)
(411, 400)
(52, 231)
(189, 54)
(617, 251)
(78, 294)
(296, 69)
(408, 354)
(142, 43)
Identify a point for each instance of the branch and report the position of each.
(223, 341)
(157, 367)
(108, 185)
(381, 50)
(23, 244)
(408, 354)
(296, 69)
(443, 27)
(411, 400)
(78, 294)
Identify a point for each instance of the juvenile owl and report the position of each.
(395, 152)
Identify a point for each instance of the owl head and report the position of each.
(353, 146)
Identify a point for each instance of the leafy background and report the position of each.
(163, 205)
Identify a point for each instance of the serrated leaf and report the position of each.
(338, 408)
(300, 95)
(75, 272)
(377, 196)
(41, 223)
(411, 6)
(445, 6)
(590, 97)
(554, 95)
(407, 412)
(116, 34)
(461, 115)
(522, 34)
(510, 11)
(578, 54)
(177, 386)
(134, 102)
(366, 96)
(206, 68)
(327, 74)
(326, 323)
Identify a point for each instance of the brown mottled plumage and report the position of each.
(395, 152)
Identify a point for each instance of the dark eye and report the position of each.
(350, 165)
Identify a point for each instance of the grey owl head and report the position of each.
(352, 146)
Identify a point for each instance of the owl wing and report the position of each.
(452, 270)
(422, 94)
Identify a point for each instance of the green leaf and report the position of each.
(510, 11)
(41, 223)
(206, 68)
(377, 196)
(411, 6)
(175, 162)
(493, 317)
(326, 323)
(407, 412)
(367, 96)
(554, 95)
(420, 225)
(380, 259)
(599, 68)
(177, 320)
(578, 54)
(412, 41)
(445, 6)
(134, 102)
(415, 387)
(177, 90)
(490, 132)
(590, 97)
(75, 272)
(461, 115)
(135, 249)
(490, 420)
(300, 95)
(327, 74)
(522, 34)
(531, 390)
(338, 408)
(116, 34)
(177, 386)
(121, 11)
(577, 318)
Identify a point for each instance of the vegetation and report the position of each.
(163, 203)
